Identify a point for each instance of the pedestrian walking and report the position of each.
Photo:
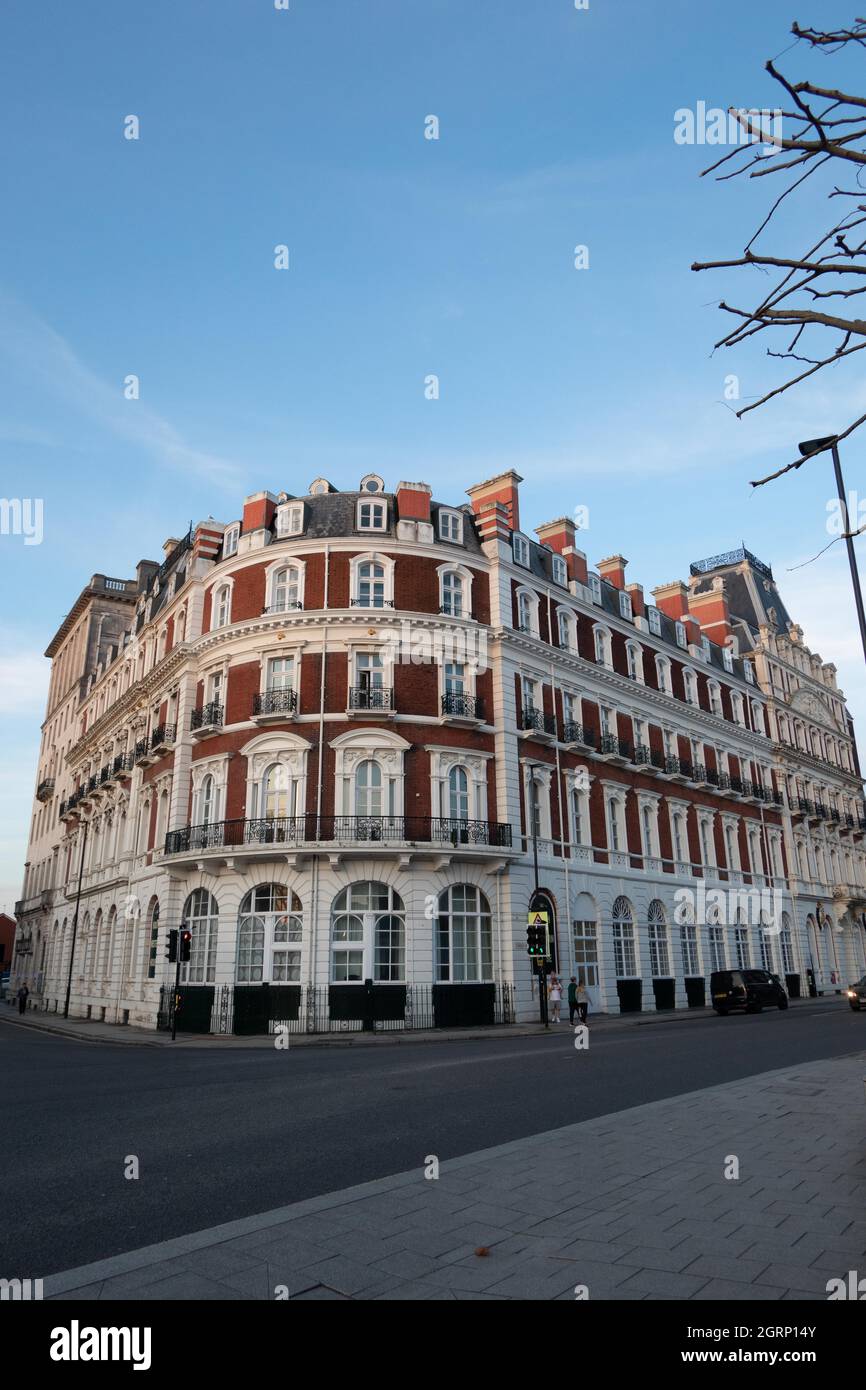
(554, 994)
(582, 1002)
(22, 996)
(572, 999)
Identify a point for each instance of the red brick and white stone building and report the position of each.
(323, 734)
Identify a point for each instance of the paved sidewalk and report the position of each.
(85, 1030)
(633, 1205)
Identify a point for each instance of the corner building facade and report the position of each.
(348, 740)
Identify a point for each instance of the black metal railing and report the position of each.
(92, 783)
(45, 789)
(712, 777)
(573, 732)
(536, 719)
(104, 774)
(355, 1007)
(163, 736)
(288, 607)
(642, 756)
(142, 748)
(371, 697)
(374, 602)
(310, 829)
(699, 772)
(466, 706)
(619, 747)
(124, 762)
(208, 716)
(672, 764)
(735, 783)
(282, 700)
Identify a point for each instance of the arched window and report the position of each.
(96, 944)
(690, 686)
(625, 961)
(285, 589)
(452, 594)
(368, 789)
(458, 794)
(524, 612)
(368, 928)
(566, 629)
(663, 674)
(371, 585)
(660, 957)
(206, 800)
(464, 935)
(153, 948)
(269, 935)
(110, 943)
(601, 640)
(635, 662)
(278, 792)
(201, 918)
(222, 606)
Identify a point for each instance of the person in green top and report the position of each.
(572, 998)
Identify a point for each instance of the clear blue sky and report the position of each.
(408, 257)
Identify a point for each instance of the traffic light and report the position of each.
(171, 945)
(185, 943)
(535, 939)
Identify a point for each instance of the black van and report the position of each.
(746, 989)
(857, 994)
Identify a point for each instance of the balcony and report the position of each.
(310, 832)
(676, 768)
(642, 757)
(45, 790)
(536, 724)
(371, 699)
(206, 720)
(141, 753)
(699, 774)
(123, 765)
(460, 708)
(275, 608)
(614, 750)
(802, 806)
(373, 602)
(273, 705)
(577, 736)
(162, 739)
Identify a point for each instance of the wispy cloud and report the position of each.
(47, 357)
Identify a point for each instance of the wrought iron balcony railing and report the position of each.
(610, 743)
(207, 716)
(283, 700)
(163, 736)
(142, 748)
(45, 790)
(536, 719)
(282, 608)
(699, 772)
(124, 762)
(573, 732)
(289, 830)
(458, 703)
(371, 697)
(374, 602)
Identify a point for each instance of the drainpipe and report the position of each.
(314, 904)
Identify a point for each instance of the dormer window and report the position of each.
(290, 519)
(749, 672)
(595, 588)
(372, 516)
(319, 486)
(230, 541)
(690, 686)
(681, 634)
(520, 550)
(625, 605)
(727, 658)
(705, 647)
(371, 482)
(559, 570)
(655, 621)
(451, 527)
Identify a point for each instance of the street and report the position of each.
(226, 1133)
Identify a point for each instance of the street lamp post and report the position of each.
(820, 446)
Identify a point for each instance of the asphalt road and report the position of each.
(224, 1134)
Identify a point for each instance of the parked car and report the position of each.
(857, 994)
(749, 990)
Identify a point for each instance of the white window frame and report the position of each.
(528, 599)
(680, 631)
(654, 618)
(625, 609)
(520, 550)
(231, 536)
(465, 577)
(450, 521)
(223, 586)
(602, 634)
(377, 511)
(376, 558)
(559, 570)
(289, 519)
(276, 568)
(594, 583)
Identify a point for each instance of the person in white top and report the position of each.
(554, 994)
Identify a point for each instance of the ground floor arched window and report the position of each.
(270, 932)
(464, 935)
(201, 918)
(368, 934)
(625, 959)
